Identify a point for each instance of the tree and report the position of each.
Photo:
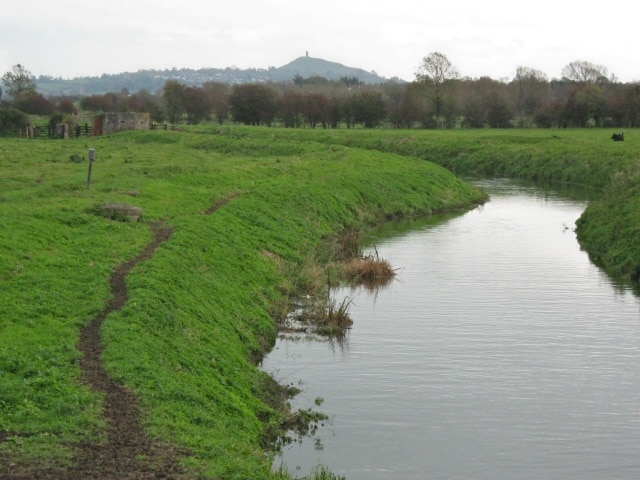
(100, 103)
(398, 104)
(144, 102)
(33, 103)
(338, 110)
(529, 88)
(252, 104)
(585, 72)
(197, 104)
(499, 114)
(437, 74)
(65, 105)
(290, 106)
(173, 93)
(368, 108)
(575, 113)
(471, 103)
(18, 81)
(219, 93)
(352, 81)
(548, 114)
(631, 102)
(591, 100)
(315, 108)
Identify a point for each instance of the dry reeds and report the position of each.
(325, 315)
(370, 269)
(314, 310)
(334, 318)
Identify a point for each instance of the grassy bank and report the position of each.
(200, 311)
(610, 227)
(581, 157)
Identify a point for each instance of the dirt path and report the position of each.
(127, 453)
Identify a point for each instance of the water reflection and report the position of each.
(499, 351)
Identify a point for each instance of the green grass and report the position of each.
(610, 227)
(198, 315)
(578, 156)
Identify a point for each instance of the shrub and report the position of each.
(12, 121)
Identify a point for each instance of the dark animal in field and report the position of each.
(617, 137)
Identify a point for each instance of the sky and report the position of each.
(73, 38)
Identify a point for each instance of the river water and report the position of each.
(499, 352)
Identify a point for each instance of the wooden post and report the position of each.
(92, 155)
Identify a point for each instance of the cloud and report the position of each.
(492, 38)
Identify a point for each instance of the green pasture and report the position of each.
(201, 311)
(609, 229)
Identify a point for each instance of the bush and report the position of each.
(12, 121)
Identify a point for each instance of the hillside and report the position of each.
(308, 66)
(154, 80)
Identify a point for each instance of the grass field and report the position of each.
(249, 210)
(610, 227)
(200, 311)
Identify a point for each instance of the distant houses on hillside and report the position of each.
(154, 80)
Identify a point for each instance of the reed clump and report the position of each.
(334, 319)
(314, 308)
(369, 270)
(322, 315)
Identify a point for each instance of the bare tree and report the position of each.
(437, 74)
(529, 85)
(585, 72)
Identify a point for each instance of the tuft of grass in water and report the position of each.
(305, 422)
(370, 270)
(319, 472)
(325, 315)
(334, 319)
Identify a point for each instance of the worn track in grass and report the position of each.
(126, 452)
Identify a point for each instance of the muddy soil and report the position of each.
(126, 452)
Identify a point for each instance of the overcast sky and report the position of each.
(70, 38)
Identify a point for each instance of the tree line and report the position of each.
(586, 96)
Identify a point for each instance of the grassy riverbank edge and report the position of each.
(199, 312)
(609, 229)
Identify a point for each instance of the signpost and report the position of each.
(92, 155)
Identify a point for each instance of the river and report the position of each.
(499, 352)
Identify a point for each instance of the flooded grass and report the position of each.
(370, 270)
(335, 318)
(320, 472)
(315, 310)
(324, 315)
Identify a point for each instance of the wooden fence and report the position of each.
(63, 130)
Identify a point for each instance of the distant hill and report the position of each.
(309, 66)
(154, 80)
